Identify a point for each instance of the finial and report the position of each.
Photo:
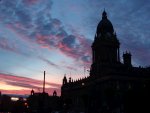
(65, 76)
(104, 14)
(69, 79)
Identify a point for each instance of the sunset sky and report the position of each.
(56, 35)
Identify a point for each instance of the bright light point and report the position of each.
(83, 84)
(14, 98)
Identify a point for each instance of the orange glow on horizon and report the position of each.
(11, 84)
(5, 86)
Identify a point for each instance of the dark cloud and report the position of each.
(49, 62)
(11, 46)
(69, 41)
(23, 85)
(86, 58)
(38, 26)
(71, 68)
(23, 17)
(5, 44)
(76, 46)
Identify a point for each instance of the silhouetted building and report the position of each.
(5, 103)
(127, 59)
(20, 106)
(38, 102)
(42, 102)
(113, 86)
(54, 93)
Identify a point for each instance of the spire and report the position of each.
(104, 15)
(44, 83)
(70, 79)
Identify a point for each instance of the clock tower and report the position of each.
(105, 48)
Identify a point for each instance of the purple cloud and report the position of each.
(39, 27)
(33, 19)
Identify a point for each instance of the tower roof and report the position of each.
(105, 26)
(104, 14)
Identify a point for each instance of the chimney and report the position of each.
(127, 59)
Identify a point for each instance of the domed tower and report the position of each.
(105, 48)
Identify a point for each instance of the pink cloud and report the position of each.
(6, 45)
(31, 2)
(71, 68)
(41, 39)
(80, 49)
(25, 82)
